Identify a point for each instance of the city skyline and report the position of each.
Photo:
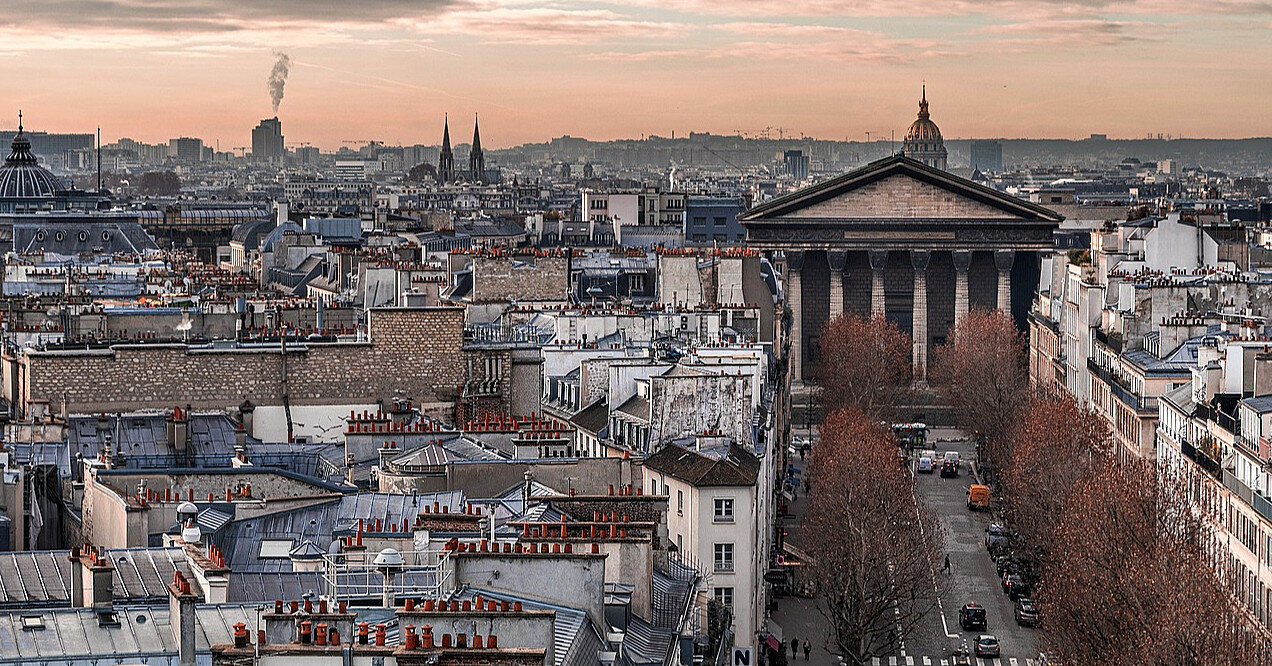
(536, 69)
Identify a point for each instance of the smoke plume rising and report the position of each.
(278, 78)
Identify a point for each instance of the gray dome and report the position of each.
(22, 177)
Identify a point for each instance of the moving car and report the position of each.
(952, 455)
(986, 646)
(949, 469)
(1026, 612)
(925, 465)
(972, 616)
(978, 497)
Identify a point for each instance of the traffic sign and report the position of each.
(743, 656)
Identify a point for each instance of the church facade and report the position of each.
(904, 239)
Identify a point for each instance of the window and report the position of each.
(723, 510)
(724, 595)
(724, 557)
(636, 282)
(680, 502)
(719, 221)
(272, 548)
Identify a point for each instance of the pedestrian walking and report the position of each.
(802, 452)
(794, 648)
(946, 569)
(808, 648)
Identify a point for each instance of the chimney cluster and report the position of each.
(627, 490)
(484, 546)
(476, 604)
(427, 641)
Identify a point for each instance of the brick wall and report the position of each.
(415, 353)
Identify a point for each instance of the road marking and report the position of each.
(892, 661)
(1013, 661)
(945, 662)
(909, 661)
(927, 661)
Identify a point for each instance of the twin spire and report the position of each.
(476, 158)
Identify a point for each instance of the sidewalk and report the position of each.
(798, 616)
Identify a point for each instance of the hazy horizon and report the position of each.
(535, 69)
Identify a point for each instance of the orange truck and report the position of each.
(978, 497)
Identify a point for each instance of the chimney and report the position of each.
(246, 415)
(92, 579)
(281, 208)
(181, 601)
(179, 430)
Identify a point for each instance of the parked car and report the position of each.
(972, 617)
(1015, 586)
(995, 537)
(986, 646)
(1026, 612)
(949, 469)
(925, 465)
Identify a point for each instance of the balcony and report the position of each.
(1201, 458)
(1120, 391)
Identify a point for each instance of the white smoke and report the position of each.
(278, 78)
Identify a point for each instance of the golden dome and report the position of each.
(923, 130)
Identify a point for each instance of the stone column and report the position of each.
(1003, 259)
(878, 262)
(962, 298)
(794, 264)
(919, 259)
(837, 260)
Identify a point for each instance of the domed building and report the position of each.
(923, 140)
(24, 184)
(27, 187)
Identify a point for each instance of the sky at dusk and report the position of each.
(535, 69)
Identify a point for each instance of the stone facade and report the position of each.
(504, 278)
(412, 352)
(901, 239)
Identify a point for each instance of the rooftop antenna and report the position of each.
(19, 121)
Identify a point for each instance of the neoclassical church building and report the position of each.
(904, 238)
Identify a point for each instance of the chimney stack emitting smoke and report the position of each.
(278, 78)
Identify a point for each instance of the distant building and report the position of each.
(796, 163)
(923, 140)
(186, 149)
(446, 161)
(987, 155)
(476, 158)
(267, 141)
(307, 155)
(714, 220)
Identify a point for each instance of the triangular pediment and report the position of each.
(899, 196)
(897, 188)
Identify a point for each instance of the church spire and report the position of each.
(923, 104)
(476, 159)
(446, 162)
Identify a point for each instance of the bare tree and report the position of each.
(876, 546)
(864, 365)
(1055, 446)
(1130, 580)
(981, 374)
